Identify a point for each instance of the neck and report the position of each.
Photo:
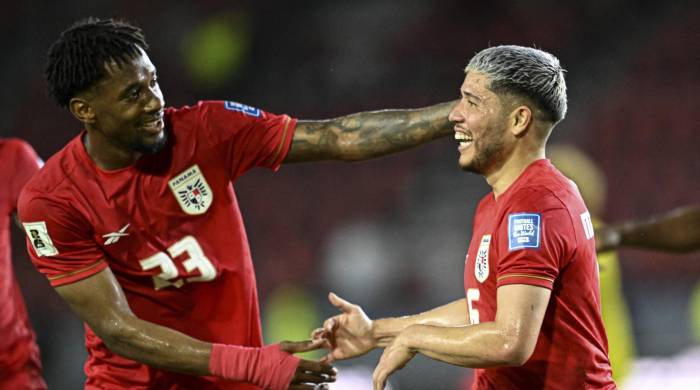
(105, 154)
(502, 178)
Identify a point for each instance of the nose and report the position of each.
(455, 115)
(155, 100)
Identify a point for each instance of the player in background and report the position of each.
(677, 230)
(136, 224)
(20, 365)
(531, 317)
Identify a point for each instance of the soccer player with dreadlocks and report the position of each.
(136, 225)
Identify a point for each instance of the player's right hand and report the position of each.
(348, 334)
(309, 374)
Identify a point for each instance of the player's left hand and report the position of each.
(394, 358)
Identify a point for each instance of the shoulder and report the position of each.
(536, 198)
(52, 179)
(15, 148)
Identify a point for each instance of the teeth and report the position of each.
(462, 137)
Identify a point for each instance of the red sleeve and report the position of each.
(536, 245)
(247, 136)
(26, 164)
(59, 240)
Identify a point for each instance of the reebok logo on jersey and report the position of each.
(248, 110)
(112, 238)
(192, 191)
(38, 236)
(523, 231)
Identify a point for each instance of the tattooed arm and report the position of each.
(366, 135)
(677, 230)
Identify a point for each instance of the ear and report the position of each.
(520, 119)
(82, 110)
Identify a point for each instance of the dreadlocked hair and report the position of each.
(79, 57)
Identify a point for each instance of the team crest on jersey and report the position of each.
(481, 263)
(192, 191)
(38, 236)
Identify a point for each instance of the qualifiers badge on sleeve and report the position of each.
(38, 236)
(192, 191)
(523, 231)
(481, 263)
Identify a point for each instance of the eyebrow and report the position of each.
(136, 84)
(465, 93)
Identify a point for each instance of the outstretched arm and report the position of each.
(352, 333)
(677, 230)
(508, 341)
(369, 134)
(100, 302)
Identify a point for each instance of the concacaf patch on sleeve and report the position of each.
(248, 110)
(523, 231)
(38, 236)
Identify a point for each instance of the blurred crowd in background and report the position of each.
(391, 234)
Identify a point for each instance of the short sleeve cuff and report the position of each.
(76, 275)
(285, 143)
(529, 279)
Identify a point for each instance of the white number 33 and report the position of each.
(169, 275)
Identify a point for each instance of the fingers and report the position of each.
(340, 303)
(317, 368)
(379, 381)
(312, 375)
(318, 333)
(331, 325)
(380, 376)
(309, 377)
(302, 346)
(309, 387)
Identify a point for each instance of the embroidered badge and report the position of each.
(481, 262)
(523, 231)
(248, 110)
(38, 236)
(192, 191)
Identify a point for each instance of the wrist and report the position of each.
(268, 367)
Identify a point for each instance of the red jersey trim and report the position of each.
(77, 274)
(534, 280)
(283, 141)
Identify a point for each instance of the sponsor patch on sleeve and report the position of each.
(523, 231)
(248, 110)
(39, 237)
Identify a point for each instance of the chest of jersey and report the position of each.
(167, 224)
(480, 268)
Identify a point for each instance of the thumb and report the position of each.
(340, 303)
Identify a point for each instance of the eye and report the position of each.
(471, 103)
(154, 81)
(133, 95)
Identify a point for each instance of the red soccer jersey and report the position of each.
(168, 227)
(20, 366)
(539, 233)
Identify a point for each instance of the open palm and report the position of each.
(349, 334)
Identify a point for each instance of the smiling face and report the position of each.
(125, 108)
(480, 125)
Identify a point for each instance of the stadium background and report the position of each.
(391, 233)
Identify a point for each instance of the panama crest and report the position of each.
(481, 263)
(192, 191)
